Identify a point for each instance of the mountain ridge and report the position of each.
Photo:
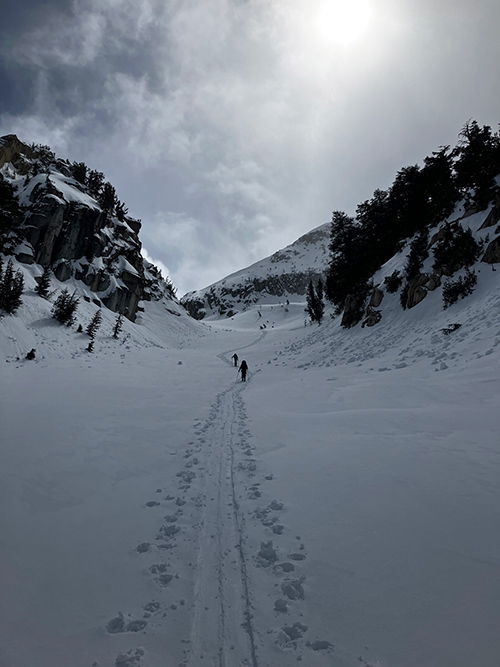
(284, 274)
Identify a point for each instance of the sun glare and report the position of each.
(343, 21)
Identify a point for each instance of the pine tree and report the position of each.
(43, 286)
(95, 180)
(120, 210)
(11, 289)
(118, 326)
(10, 217)
(65, 307)
(315, 307)
(107, 198)
(311, 301)
(94, 325)
(79, 171)
(320, 301)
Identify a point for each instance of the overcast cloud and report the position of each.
(231, 127)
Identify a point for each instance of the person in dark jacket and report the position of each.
(243, 370)
(235, 357)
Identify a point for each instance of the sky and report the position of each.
(232, 127)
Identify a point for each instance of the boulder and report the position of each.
(493, 217)
(373, 318)
(376, 298)
(62, 271)
(434, 282)
(492, 254)
(353, 310)
(416, 290)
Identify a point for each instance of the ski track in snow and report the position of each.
(222, 632)
(217, 481)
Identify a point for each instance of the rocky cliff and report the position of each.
(283, 275)
(65, 228)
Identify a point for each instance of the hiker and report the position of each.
(243, 370)
(235, 357)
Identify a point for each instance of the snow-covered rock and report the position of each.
(284, 275)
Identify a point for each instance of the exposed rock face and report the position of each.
(416, 290)
(284, 274)
(14, 151)
(353, 310)
(67, 230)
(492, 254)
(373, 318)
(434, 282)
(376, 298)
(493, 217)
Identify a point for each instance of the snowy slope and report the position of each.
(340, 508)
(285, 274)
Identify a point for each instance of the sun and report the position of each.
(343, 21)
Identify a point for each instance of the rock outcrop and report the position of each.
(492, 254)
(14, 151)
(67, 230)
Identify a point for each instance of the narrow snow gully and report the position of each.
(222, 634)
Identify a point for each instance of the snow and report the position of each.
(339, 508)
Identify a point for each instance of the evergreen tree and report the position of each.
(118, 326)
(94, 325)
(95, 179)
(344, 275)
(43, 283)
(120, 210)
(11, 289)
(453, 290)
(10, 217)
(107, 198)
(440, 185)
(315, 306)
(418, 253)
(320, 301)
(409, 201)
(478, 162)
(64, 307)
(311, 299)
(79, 171)
(457, 247)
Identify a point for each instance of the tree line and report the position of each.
(419, 198)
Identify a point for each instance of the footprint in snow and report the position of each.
(130, 659)
(284, 567)
(319, 645)
(152, 607)
(118, 624)
(295, 631)
(293, 590)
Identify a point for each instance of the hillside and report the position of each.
(72, 222)
(283, 275)
(338, 509)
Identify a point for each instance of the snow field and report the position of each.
(338, 509)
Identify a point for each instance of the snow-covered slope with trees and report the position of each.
(340, 508)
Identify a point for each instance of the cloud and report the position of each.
(229, 127)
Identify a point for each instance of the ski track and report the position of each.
(217, 499)
(222, 632)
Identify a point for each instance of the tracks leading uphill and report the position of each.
(222, 634)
